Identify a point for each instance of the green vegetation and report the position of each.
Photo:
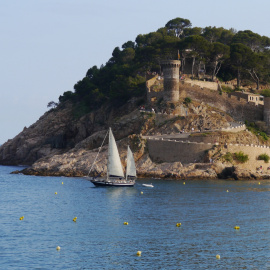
(187, 100)
(266, 92)
(228, 157)
(240, 157)
(227, 89)
(225, 53)
(256, 130)
(264, 157)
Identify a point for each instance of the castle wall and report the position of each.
(203, 84)
(237, 107)
(150, 82)
(235, 104)
(175, 151)
(164, 150)
(253, 151)
(266, 114)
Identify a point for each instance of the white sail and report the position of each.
(114, 165)
(131, 168)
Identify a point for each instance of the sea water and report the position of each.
(207, 210)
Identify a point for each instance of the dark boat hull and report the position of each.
(116, 183)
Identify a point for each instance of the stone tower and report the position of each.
(266, 113)
(171, 79)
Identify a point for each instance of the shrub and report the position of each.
(252, 127)
(226, 89)
(240, 157)
(228, 157)
(187, 100)
(266, 92)
(264, 157)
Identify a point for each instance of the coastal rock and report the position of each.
(59, 144)
(58, 131)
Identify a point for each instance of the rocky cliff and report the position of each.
(61, 144)
(59, 131)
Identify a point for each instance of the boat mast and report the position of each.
(97, 154)
(127, 165)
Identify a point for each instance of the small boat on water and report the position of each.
(115, 174)
(148, 185)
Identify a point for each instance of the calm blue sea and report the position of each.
(99, 240)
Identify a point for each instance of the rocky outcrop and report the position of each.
(59, 131)
(47, 137)
(58, 144)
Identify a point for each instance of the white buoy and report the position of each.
(218, 256)
(58, 248)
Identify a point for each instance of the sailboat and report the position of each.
(115, 175)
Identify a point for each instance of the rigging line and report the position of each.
(97, 154)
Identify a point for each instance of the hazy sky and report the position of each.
(48, 45)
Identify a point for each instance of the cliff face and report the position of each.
(48, 136)
(59, 144)
(58, 131)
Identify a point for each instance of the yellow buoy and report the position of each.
(184, 183)
(125, 223)
(141, 192)
(21, 218)
(178, 224)
(237, 227)
(218, 256)
(62, 183)
(58, 248)
(227, 190)
(55, 193)
(259, 183)
(139, 253)
(75, 219)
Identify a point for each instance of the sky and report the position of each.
(47, 46)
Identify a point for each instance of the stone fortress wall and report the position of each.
(170, 150)
(151, 94)
(203, 84)
(237, 107)
(266, 112)
(186, 151)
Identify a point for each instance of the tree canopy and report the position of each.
(225, 53)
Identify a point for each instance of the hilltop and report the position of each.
(197, 136)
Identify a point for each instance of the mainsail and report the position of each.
(114, 165)
(131, 168)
